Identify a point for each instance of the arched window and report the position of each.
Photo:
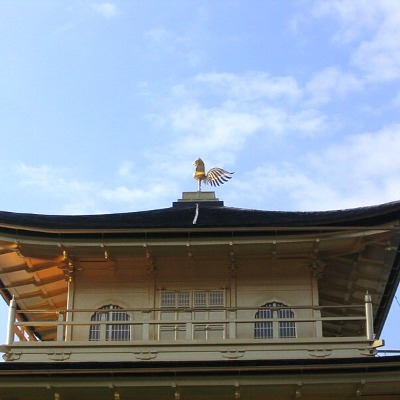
(263, 330)
(112, 332)
(274, 329)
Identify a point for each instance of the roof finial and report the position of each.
(214, 177)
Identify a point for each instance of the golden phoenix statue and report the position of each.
(214, 177)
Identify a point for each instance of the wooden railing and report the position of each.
(157, 324)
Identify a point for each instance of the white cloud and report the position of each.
(362, 170)
(223, 130)
(221, 112)
(123, 194)
(140, 190)
(55, 185)
(354, 16)
(214, 128)
(126, 170)
(368, 156)
(284, 186)
(181, 47)
(252, 85)
(379, 58)
(222, 127)
(50, 179)
(307, 122)
(396, 101)
(107, 10)
(161, 35)
(330, 83)
(374, 28)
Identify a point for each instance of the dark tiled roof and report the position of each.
(208, 217)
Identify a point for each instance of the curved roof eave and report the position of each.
(208, 217)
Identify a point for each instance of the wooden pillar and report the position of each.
(369, 318)
(315, 275)
(11, 319)
(70, 306)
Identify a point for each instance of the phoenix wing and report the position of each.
(217, 176)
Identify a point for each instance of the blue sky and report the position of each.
(104, 105)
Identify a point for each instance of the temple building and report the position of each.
(199, 301)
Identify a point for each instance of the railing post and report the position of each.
(232, 324)
(11, 319)
(316, 271)
(60, 326)
(189, 327)
(369, 318)
(146, 325)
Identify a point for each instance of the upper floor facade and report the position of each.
(198, 282)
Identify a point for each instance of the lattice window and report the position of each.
(216, 298)
(269, 329)
(263, 330)
(94, 333)
(287, 329)
(110, 332)
(176, 305)
(175, 299)
(168, 299)
(209, 298)
(200, 298)
(184, 298)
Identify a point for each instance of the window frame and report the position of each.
(197, 302)
(284, 328)
(110, 332)
(194, 298)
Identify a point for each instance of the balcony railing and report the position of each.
(160, 324)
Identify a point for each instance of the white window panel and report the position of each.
(110, 332)
(216, 298)
(183, 299)
(268, 329)
(200, 298)
(168, 299)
